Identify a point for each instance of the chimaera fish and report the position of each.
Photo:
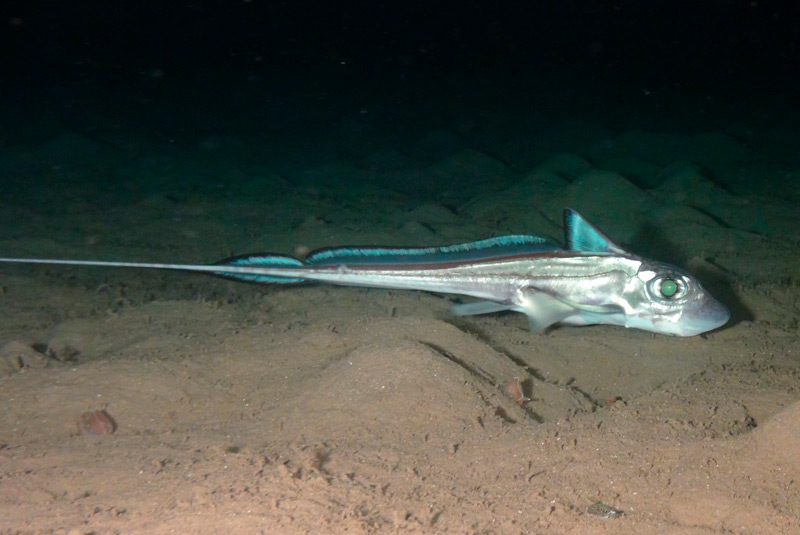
(589, 281)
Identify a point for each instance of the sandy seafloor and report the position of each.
(320, 409)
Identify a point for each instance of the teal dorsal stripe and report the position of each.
(260, 260)
(502, 246)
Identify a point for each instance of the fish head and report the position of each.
(665, 299)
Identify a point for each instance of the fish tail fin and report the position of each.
(261, 260)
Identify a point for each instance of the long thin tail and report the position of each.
(281, 269)
(245, 268)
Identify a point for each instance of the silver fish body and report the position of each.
(591, 281)
(550, 288)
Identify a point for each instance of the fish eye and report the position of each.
(667, 287)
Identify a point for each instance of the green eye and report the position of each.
(668, 287)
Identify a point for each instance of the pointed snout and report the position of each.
(702, 316)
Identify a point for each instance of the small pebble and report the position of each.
(603, 510)
(96, 423)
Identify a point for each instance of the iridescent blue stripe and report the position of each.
(260, 261)
(478, 250)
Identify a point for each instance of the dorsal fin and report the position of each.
(583, 237)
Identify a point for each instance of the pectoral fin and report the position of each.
(480, 307)
(544, 310)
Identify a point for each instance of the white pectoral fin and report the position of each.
(480, 307)
(544, 310)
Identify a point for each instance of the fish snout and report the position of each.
(703, 315)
